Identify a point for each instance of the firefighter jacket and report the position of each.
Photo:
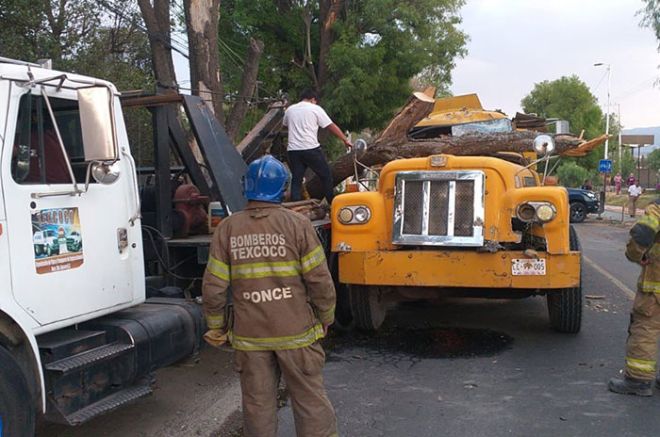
(644, 248)
(282, 290)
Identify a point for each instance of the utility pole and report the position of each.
(620, 144)
(607, 132)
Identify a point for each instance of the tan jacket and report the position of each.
(644, 248)
(282, 290)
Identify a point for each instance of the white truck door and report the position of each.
(69, 254)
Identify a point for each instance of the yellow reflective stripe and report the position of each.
(327, 315)
(265, 269)
(218, 269)
(312, 259)
(644, 366)
(650, 221)
(650, 287)
(215, 321)
(304, 339)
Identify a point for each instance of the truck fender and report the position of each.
(22, 344)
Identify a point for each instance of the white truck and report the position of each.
(76, 336)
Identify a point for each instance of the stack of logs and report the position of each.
(393, 143)
(311, 208)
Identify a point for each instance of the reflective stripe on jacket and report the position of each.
(282, 290)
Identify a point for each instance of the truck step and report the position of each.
(64, 343)
(85, 359)
(109, 403)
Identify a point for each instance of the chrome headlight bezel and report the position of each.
(359, 215)
(523, 212)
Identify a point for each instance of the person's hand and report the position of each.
(348, 144)
(215, 337)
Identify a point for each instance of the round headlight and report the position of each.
(345, 215)
(545, 213)
(361, 214)
(526, 212)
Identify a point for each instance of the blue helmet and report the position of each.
(266, 180)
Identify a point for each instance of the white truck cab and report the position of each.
(71, 241)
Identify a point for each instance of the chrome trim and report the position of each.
(427, 177)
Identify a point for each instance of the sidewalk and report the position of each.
(614, 213)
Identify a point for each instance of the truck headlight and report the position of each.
(354, 215)
(541, 212)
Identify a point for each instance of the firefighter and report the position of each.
(644, 329)
(283, 302)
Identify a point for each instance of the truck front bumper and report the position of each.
(455, 268)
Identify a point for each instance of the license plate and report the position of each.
(528, 267)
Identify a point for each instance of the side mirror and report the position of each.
(97, 124)
(105, 173)
(544, 145)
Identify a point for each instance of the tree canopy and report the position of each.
(651, 17)
(360, 55)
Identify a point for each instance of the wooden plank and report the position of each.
(249, 146)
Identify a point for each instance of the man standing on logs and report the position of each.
(303, 120)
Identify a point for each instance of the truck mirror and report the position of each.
(105, 172)
(544, 145)
(97, 124)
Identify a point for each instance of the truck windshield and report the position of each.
(489, 126)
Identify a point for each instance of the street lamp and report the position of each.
(607, 119)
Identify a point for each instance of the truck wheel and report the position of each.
(578, 212)
(343, 315)
(367, 307)
(17, 414)
(565, 305)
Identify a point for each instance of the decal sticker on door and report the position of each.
(57, 240)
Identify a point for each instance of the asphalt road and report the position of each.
(456, 368)
(507, 372)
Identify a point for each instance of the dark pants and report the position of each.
(299, 161)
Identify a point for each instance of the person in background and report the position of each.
(587, 185)
(634, 191)
(631, 179)
(617, 183)
(304, 150)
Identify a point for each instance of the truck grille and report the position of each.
(442, 208)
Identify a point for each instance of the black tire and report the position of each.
(578, 212)
(17, 413)
(367, 307)
(565, 305)
(343, 314)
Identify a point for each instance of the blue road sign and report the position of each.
(605, 166)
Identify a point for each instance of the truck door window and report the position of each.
(37, 156)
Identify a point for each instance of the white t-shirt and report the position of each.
(634, 190)
(303, 120)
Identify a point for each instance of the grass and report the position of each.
(622, 199)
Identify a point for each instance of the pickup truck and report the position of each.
(582, 202)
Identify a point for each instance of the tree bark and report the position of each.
(246, 91)
(328, 13)
(202, 24)
(157, 20)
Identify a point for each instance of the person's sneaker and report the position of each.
(631, 386)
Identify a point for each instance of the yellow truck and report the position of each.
(457, 225)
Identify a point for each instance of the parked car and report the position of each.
(582, 202)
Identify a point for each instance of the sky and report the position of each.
(517, 43)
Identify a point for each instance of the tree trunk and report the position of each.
(157, 20)
(246, 91)
(328, 13)
(202, 24)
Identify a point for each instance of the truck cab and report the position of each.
(76, 338)
(443, 225)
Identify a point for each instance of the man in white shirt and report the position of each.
(634, 191)
(304, 120)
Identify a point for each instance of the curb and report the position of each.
(612, 208)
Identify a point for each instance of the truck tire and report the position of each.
(343, 314)
(367, 307)
(17, 413)
(565, 305)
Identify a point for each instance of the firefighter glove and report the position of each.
(215, 337)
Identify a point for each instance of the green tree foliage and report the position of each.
(654, 160)
(651, 17)
(571, 174)
(378, 47)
